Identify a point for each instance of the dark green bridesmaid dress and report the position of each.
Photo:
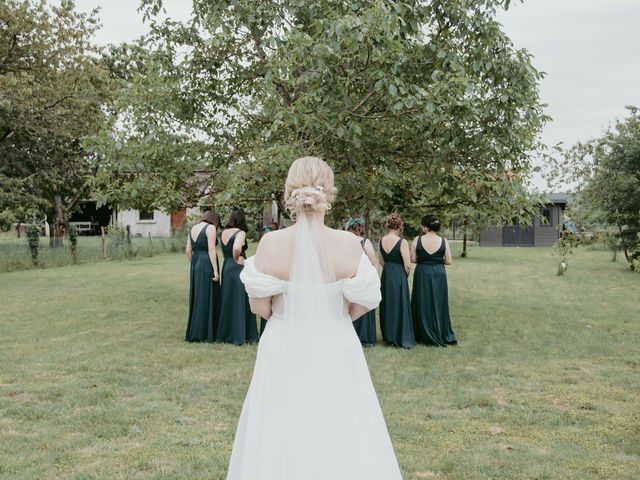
(204, 293)
(237, 324)
(430, 298)
(366, 325)
(395, 307)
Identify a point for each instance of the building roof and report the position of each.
(560, 198)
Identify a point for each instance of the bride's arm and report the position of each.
(356, 311)
(261, 306)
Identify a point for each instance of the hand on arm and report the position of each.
(261, 306)
(237, 247)
(371, 254)
(406, 256)
(414, 255)
(380, 257)
(213, 254)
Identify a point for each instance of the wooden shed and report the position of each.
(543, 232)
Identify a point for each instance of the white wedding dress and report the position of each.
(311, 411)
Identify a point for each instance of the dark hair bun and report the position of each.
(431, 222)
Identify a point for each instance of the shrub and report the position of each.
(562, 249)
(33, 237)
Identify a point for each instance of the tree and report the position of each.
(608, 172)
(417, 105)
(52, 93)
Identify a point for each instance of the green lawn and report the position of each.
(15, 254)
(97, 382)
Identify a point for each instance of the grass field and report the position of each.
(97, 382)
(15, 255)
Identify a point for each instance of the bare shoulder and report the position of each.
(266, 241)
(346, 239)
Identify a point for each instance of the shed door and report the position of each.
(517, 236)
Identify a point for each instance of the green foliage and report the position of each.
(33, 237)
(73, 242)
(119, 243)
(416, 105)
(608, 172)
(562, 249)
(52, 94)
(613, 243)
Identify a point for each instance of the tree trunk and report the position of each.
(464, 240)
(60, 222)
(624, 247)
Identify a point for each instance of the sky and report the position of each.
(589, 50)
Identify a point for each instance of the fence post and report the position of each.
(104, 243)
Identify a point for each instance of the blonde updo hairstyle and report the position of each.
(309, 186)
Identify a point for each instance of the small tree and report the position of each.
(562, 249)
(608, 169)
(33, 237)
(73, 242)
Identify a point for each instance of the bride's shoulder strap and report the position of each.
(364, 287)
(258, 284)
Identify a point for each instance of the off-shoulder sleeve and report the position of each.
(364, 288)
(258, 284)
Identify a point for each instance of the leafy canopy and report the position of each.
(416, 105)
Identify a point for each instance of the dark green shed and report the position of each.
(543, 232)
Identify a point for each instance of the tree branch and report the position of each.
(369, 94)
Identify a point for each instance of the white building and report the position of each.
(154, 222)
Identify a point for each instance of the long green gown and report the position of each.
(430, 298)
(237, 324)
(204, 293)
(395, 307)
(366, 325)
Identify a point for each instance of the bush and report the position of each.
(562, 249)
(73, 242)
(33, 236)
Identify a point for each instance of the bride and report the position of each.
(311, 411)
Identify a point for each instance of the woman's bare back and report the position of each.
(275, 252)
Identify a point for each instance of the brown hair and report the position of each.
(355, 225)
(237, 219)
(212, 218)
(394, 221)
(357, 229)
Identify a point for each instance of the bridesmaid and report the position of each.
(266, 228)
(430, 302)
(365, 325)
(395, 307)
(237, 324)
(204, 289)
